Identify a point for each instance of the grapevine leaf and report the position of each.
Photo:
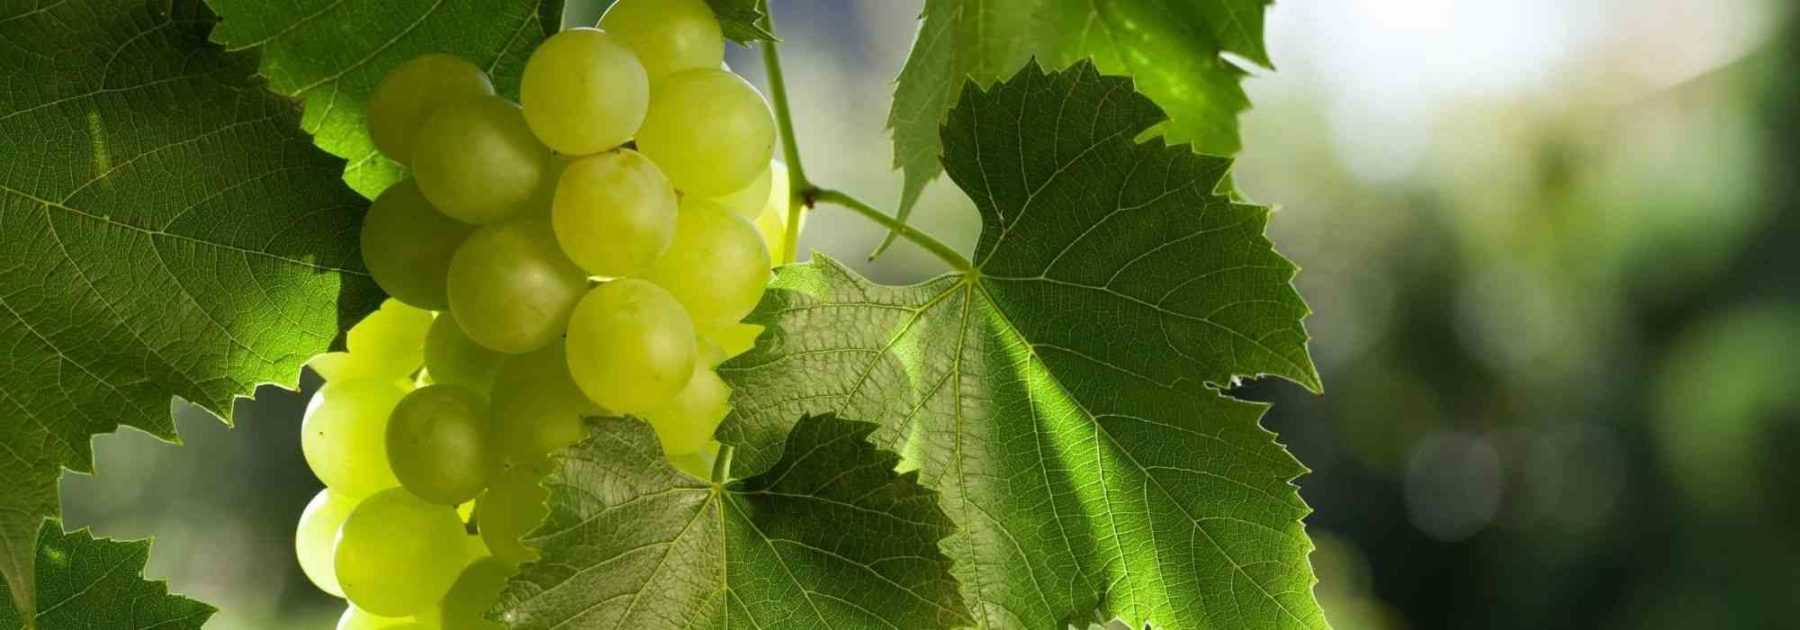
(744, 21)
(1173, 50)
(331, 53)
(89, 583)
(165, 228)
(829, 537)
(1063, 396)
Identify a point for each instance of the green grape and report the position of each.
(391, 553)
(477, 162)
(668, 35)
(437, 442)
(511, 288)
(709, 130)
(730, 340)
(749, 201)
(414, 90)
(358, 619)
(715, 266)
(510, 509)
(344, 436)
(614, 213)
(536, 406)
(771, 223)
(406, 244)
(584, 92)
(697, 464)
(392, 337)
(316, 536)
(452, 358)
(630, 346)
(686, 423)
(475, 591)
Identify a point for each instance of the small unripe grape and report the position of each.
(686, 423)
(709, 130)
(344, 436)
(614, 213)
(437, 442)
(406, 245)
(731, 339)
(397, 554)
(316, 537)
(477, 162)
(511, 287)
(668, 35)
(414, 90)
(584, 92)
(630, 346)
(717, 267)
(536, 406)
(452, 358)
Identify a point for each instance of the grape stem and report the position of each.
(944, 252)
(802, 194)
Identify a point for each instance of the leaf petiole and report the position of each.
(944, 252)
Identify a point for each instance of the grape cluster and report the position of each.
(589, 251)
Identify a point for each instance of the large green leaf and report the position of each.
(165, 228)
(331, 53)
(830, 537)
(1171, 48)
(1063, 395)
(94, 584)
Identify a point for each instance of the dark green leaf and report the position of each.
(165, 228)
(331, 53)
(1172, 49)
(829, 537)
(1063, 397)
(95, 584)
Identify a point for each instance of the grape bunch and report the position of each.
(589, 251)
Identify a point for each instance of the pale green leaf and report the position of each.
(1063, 397)
(330, 54)
(87, 583)
(1173, 49)
(743, 20)
(829, 537)
(165, 229)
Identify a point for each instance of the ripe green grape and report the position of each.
(407, 244)
(474, 593)
(584, 92)
(392, 336)
(730, 340)
(697, 464)
(771, 223)
(686, 423)
(709, 130)
(510, 509)
(344, 436)
(358, 619)
(614, 213)
(452, 358)
(414, 90)
(511, 288)
(536, 406)
(477, 162)
(395, 553)
(437, 442)
(316, 536)
(716, 265)
(749, 201)
(630, 346)
(668, 35)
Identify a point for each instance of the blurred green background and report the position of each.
(1552, 248)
